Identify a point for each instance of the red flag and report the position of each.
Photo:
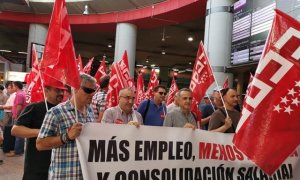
(79, 63)
(119, 78)
(202, 78)
(124, 73)
(101, 71)
(153, 82)
(172, 91)
(113, 88)
(59, 53)
(87, 68)
(140, 89)
(34, 90)
(269, 128)
(225, 85)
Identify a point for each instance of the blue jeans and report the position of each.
(19, 145)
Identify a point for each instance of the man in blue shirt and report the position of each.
(154, 111)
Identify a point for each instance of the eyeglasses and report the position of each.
(162, 93)
(128, 98)
(88, 90)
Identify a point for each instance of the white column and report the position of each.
(37, 34)
(217, 38)
(126, 40)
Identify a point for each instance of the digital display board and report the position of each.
(251, 24)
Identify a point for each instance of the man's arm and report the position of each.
(216, 124)
(19, 110)
(168, 121)
(51, 142)
(24, 132)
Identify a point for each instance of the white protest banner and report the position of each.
(109, 151)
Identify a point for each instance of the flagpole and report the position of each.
(42, 81)
(75, 104)
(217, 84)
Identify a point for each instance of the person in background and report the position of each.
(99, 99)
(174, 104)
(28, 126)
(124, 112)
(209, 109)
(7, 123)
(154, 110)
(18, 107)
(219, 121)
(1, 141)
(60, 128)
(182, 117)
(3, 99)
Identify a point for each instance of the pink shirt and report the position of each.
(20, 99)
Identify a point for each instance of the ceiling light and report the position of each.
(139, 65)
(4, 50)
(190, 62)
(20, 52)
(190, 39)
(145, 67)
(152, 65)
(104, 56)
(109, 45)
(86, 10)
(147, 61)
(163, 52)
(156, 70)
(175, 69)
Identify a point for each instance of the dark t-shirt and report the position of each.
(218, 119)
(32, 117)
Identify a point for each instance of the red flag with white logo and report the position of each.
(124, 73)
(153, 82)
(34, 92)
(79, 63)
(172, 91)
(101, 71)
(202, 78)
(87, 68)
(59, 54)
(113, 88)
(269, 128)
(140, 89)
(225, 85)
(248, 87)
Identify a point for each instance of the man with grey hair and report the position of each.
(124, 112)
(60, 128)
(182, 117)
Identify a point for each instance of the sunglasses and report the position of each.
(88, 90)
(162, 93)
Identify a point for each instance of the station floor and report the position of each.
(12, 167)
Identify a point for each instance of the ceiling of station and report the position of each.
(180, 53)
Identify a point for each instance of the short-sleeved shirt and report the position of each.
(117, 116)
(10, 101)
(218, 119)
(32, 117)
(172, 106)
(20, 99)
(65, 162)
(98, 102)
(155, 115)
(176, 118)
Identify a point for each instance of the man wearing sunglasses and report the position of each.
(154, 110)
(182, 117)
(124, 112)
(61, 127)
(28, 126)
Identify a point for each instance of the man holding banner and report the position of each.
(62, 125)
(124, 112)
(182, 117)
